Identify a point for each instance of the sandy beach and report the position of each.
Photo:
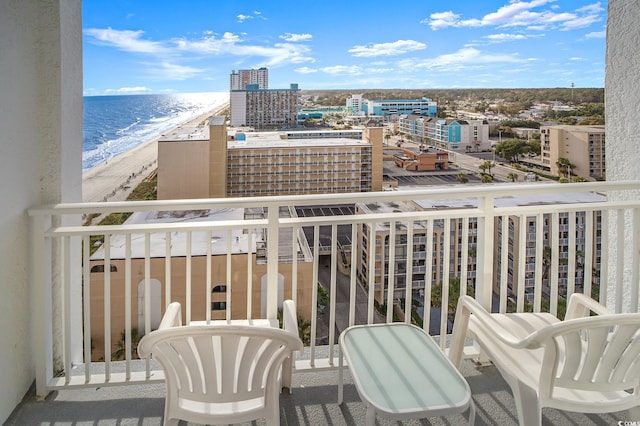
(116, 178)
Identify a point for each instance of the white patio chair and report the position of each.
(219, 373)
(585, 364)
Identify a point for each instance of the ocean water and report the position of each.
(116, 124)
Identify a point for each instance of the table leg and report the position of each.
(370, 419)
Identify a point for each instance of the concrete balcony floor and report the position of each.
(312, 402)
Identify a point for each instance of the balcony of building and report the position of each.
(93, 285)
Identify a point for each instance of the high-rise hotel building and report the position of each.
(238, 80)
(264, 108)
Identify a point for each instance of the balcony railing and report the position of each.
(94, 286)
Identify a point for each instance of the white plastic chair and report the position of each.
(585, 364)
(219, 373)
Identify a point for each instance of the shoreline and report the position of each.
(114, 179)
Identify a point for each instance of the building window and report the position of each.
(220, 288)
(100, 268)
(218, 306)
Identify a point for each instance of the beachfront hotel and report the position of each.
(263, 109)
(204, 162)
(42, 268)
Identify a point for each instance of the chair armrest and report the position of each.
(172, 316)
(290, 317)
(580, 305)
(467, 306)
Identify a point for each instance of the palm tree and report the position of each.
(121, 347)
(513, 176)
(487, 165)
(462, 177)
(564, 166)
(386, 139)
(486, 178)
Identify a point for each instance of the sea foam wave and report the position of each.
(116, 124)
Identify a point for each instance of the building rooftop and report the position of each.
(273, 140)
(199, 239)
(187, 133)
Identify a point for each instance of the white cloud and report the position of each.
(387, 49)
(305, 70)
(465, 58)
(502, 37)
(126, 40)
(341, 70)
(256, 14)
(522, 13)
(296, 37)
(597, 34)
(334, 70)
(176, 72)
(440, 20)
(128, 90)
(209, 44)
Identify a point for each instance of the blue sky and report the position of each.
(161, 46)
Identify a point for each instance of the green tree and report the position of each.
(121, 347)
(565, 168)
(513, 176)
(512, 149)
(454, 295)
(462, 177)
(486, 178)
(486, 166)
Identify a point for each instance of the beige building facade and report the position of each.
(583, 146)
(204, 163)
(189, 275)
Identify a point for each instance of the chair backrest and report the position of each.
(219, 363)
(598, 353)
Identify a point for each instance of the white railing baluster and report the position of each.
(314, 293)
(553, 266)
(333, 294)
(352, 281)
(127, 305)
(428, 278)
(188, 277)
(86, 317)
(522, 262)
(504, 263)
(571, 253)
(408, 294)
(537, 291)
(371, 287)
(66, 304)
(391, 273)
(107, 307)
(249, 300)
(228, 280)
(620, 242)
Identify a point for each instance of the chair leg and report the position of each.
(287, 370)
(527, 405)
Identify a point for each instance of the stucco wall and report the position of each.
(622, 97)
(40, 156)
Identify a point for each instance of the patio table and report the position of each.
(400, 373)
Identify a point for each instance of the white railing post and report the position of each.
(484, 280)
(273, 216)
(41, 294)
